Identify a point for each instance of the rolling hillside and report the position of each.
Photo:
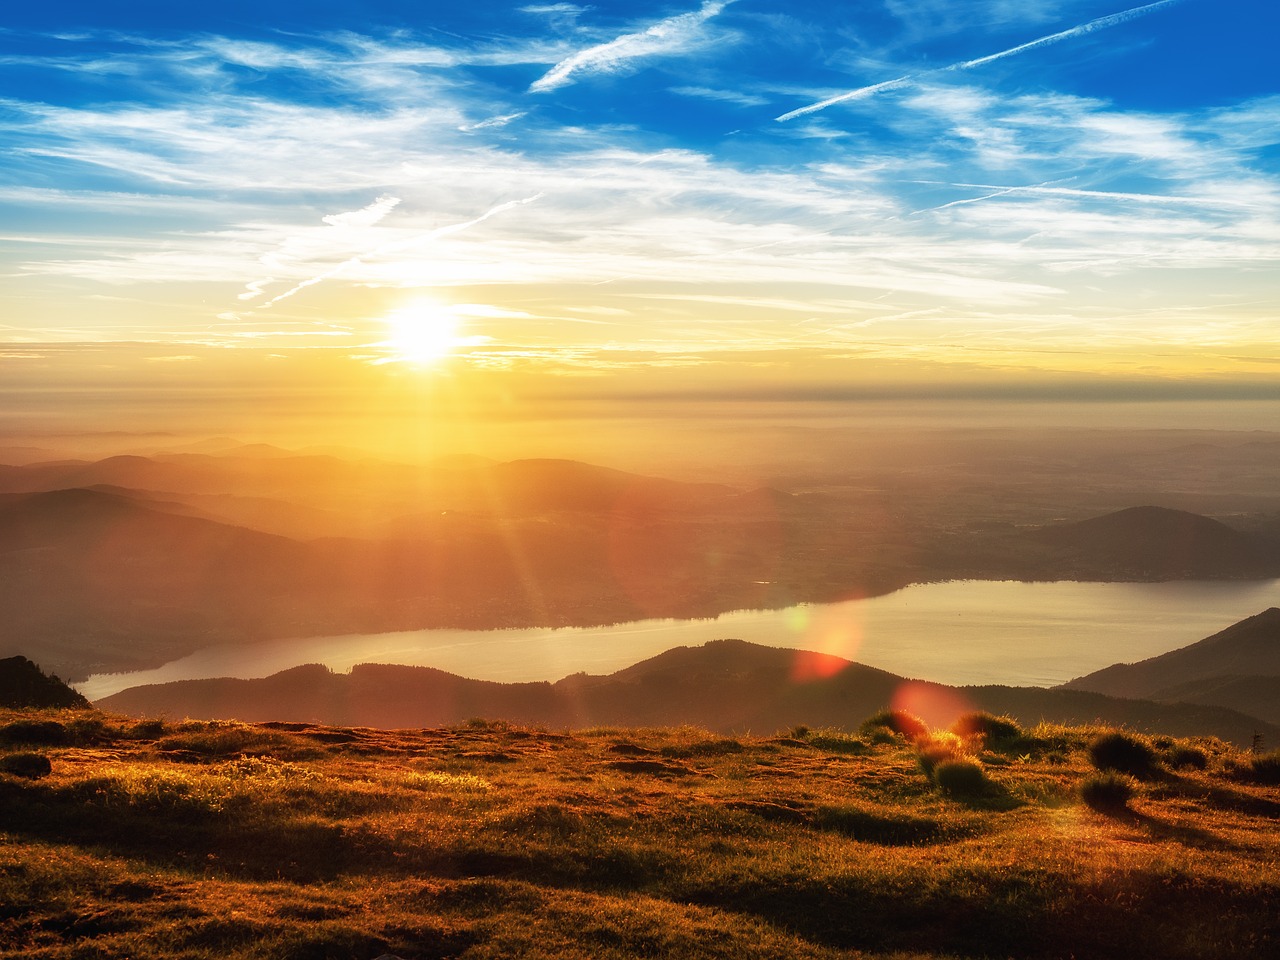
(1239, 666)
(155, 839)
(727, 685)
(1156, 543)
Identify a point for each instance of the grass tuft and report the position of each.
(1122, 753)
(1108, 792)
(934, 750)
(1184, 757)
(961, 777)
(1262, 768)
(991, 729)
(897, 722)
(837, 741)
(42, 733)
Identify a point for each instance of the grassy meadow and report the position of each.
(150, 839)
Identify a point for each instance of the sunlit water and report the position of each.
(961, 632)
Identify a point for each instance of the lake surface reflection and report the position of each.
(959, 632)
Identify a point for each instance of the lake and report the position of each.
(958, 632)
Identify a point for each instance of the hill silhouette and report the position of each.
(470, 484)
(123, 574)
(131, 561)
(729, 686)
(97, 579)
(1238, 666)
(105, 580)
(1157, 543)
(23, 684)
(1257, 696)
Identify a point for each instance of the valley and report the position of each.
(135, 560)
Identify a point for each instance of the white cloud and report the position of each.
(365, 217)
(676, 35)
(561, 16)
(1099, 23)
(929, 18)
(491, 122)
(724, 96)
(970, 204)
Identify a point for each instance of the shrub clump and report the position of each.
(150, 729)
(837, 741)
(960, 777)
(1187, 758)
(992, 729)
(1107, 792)
(1263, 768)
(897, 722)
(33, 766)
(47, 733)
(933, 751)
(1123, 753)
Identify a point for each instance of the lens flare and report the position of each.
(936, 705)
(831, 640)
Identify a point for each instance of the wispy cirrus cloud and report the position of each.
(1080, 30)
(673, 36)
(929, 18)
(490, 123)
(961, 206)
(724, 96)
(341, 227)
(397, 245)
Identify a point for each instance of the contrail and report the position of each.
(1000, 191)
(858, 94)
(1101, 23)
(400, 244)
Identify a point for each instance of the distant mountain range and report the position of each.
(1137, 544)
(1156, 543)
(1238, 667)
(726, 685)
(132, 561)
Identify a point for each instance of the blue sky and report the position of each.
(1056, 187)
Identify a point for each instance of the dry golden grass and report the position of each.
(221, 840)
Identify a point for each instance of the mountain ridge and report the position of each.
(259, 548)
(1149, 542)
(728, 686)
(1207, 671)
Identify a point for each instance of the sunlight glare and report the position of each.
(423, 333)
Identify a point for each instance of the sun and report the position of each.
(422, 333)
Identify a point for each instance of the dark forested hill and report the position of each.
(23, 684)
(1238, 666)
(726, 685)
(1156, 543)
